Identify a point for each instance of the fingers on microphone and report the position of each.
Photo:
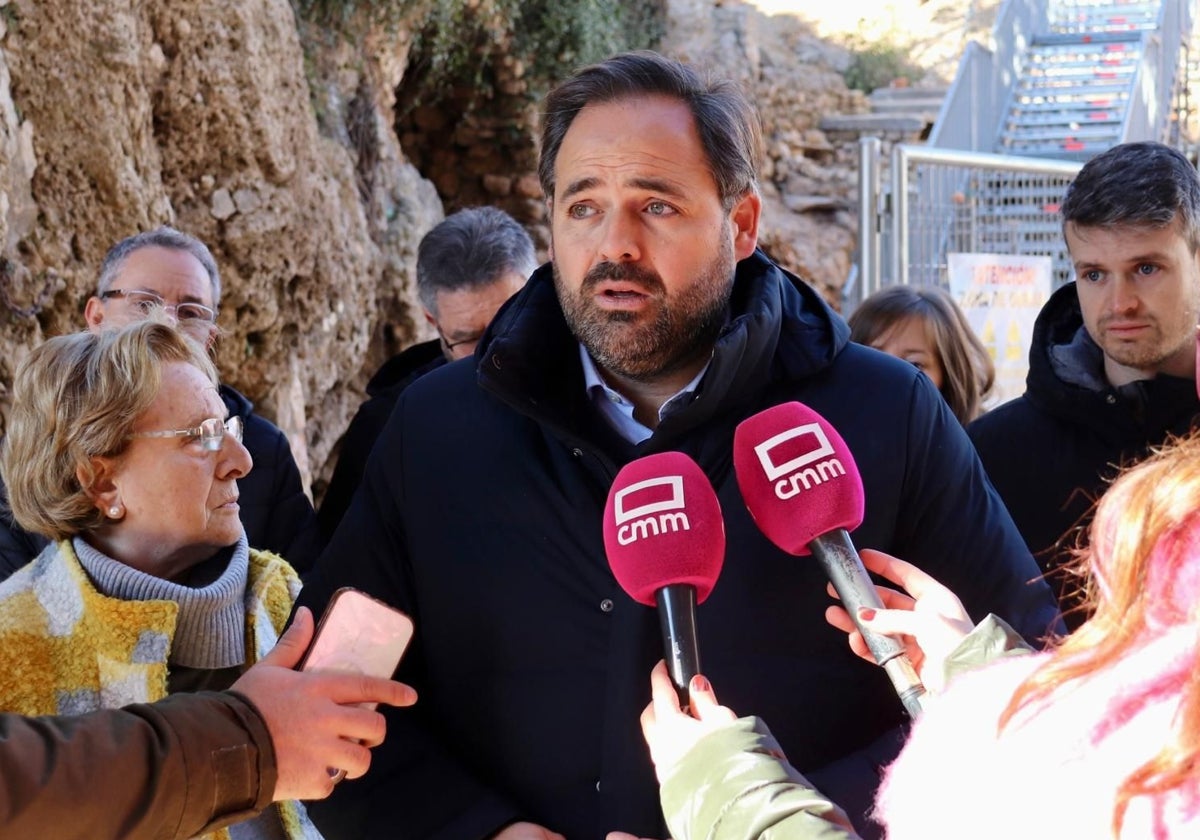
(890, 622)
(662, 691)
(859, 645)
(648, 719)
(700, 696)
(891, 598)
(914, 581)
(704, 705)
(839, 618)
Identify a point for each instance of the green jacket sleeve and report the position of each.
(735, 784)
(991, 639)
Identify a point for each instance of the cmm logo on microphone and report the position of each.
(649, 508)
(798, 459)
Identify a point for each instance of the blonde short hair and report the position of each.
(76, 397)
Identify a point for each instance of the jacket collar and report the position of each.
(778, 328)
(406, 365)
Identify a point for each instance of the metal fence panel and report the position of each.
(941, 201)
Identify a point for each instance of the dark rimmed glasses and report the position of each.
(450, 345)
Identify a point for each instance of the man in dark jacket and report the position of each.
(467, 266)
(1112, 365)
(169, 269)
(658, 326)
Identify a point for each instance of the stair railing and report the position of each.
(973, 110)
(1152, 102)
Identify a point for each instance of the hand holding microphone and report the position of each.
(671, 731)
(665, 541)
(927, 616)
(803, 490)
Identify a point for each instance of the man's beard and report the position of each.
(1165, 342)
(673, 332)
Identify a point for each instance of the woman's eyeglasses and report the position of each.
(210, 432)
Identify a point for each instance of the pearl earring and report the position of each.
(114, 511)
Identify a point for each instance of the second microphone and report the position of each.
(664, 537)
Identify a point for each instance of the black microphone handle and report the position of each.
(677, 619)
(839, 558)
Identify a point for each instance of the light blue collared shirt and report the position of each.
(618, 410)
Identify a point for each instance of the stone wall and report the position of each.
(300, 156)
(199, 114)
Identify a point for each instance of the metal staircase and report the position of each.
(1089, 74)
(1073, 97)
(1059, 82)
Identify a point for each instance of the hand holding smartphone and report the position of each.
(359, 634)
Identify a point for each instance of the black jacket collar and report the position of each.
(407, 365)
(779, 328)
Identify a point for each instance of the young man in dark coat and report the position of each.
(657, 326)
(1112, 366)
(167, 268)
(467, 266)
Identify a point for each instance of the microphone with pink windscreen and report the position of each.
(665, 541)
(803, 490)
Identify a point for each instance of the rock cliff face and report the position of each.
(282, 145)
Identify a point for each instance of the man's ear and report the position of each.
(98, 481)
(93, 312)
(550, 216)
(429, 319)
(744, 220)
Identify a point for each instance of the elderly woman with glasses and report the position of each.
(120, 451)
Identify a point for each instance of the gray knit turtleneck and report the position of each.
(211, 629)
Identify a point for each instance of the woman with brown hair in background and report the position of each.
(924, 326)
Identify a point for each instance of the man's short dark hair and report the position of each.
(161, 237)
(1136, 185)
(726, 121)
(471, 249)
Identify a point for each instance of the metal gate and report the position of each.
(938, 201)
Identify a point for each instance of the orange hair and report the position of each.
(1142, 576)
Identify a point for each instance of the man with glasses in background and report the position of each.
(165, 269)
(468, 265)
